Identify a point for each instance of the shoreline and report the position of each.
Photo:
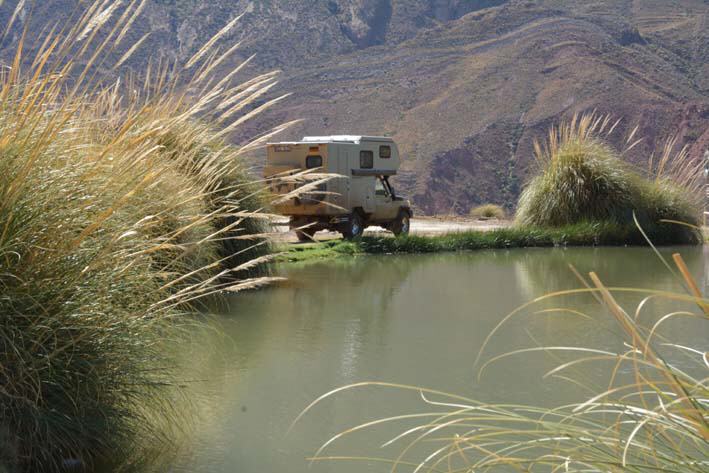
(578, 235)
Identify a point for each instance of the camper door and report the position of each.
(362, 188)
(339, 159)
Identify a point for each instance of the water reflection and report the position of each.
(414, 320)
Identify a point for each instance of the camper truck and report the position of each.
(358, 195)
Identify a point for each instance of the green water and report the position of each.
(417, 320)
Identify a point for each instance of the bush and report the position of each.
(118, 210)
(488, 211)
(583, 179)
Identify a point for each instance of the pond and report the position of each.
(418, 320)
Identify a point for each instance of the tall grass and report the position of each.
(582, 178)
(121, 205)
(652, 416)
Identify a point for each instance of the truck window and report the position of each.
(385, 152)
(366, 159)
(380, 188)
(313, 162)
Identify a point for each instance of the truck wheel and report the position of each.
(354, 228)
(401, 225)
(305, 234)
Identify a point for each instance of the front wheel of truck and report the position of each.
(402, 224)
(354, 228)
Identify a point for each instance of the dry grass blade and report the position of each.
(20, 6)
(255, 283)
(98, 21)
(691, 283)
(214, 64)
(258, 110)
(208, 45)
(131, 51)
(126, 27)
(261, 140)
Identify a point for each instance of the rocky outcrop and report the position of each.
(364, 22)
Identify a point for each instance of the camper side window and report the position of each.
(313, 162)
(366, 159)
(385, 152)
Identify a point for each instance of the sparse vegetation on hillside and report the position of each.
(583, 179)
(497, 78)
(119, 209)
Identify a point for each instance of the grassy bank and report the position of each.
(580, 234)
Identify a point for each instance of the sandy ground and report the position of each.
(419, 226)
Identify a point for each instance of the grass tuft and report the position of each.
(582, 178)
(488, 211)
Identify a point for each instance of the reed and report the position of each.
(121, 206)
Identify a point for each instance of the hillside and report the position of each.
(463, 86)
(465, 100)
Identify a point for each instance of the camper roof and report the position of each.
(356, 139)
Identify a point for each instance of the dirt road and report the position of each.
(419, 226)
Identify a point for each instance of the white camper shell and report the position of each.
(361, 195)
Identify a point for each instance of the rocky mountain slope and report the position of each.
(463, 85)
(466, 99)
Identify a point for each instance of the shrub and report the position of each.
(488, 211)
(117, 208)
(584, 181)
(582, 178)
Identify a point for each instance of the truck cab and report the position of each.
(357, 194)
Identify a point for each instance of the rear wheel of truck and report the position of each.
(305, 234)
(354, 228)
(402, 224)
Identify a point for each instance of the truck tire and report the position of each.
(305, 234)
(402, 224)
(354, 228)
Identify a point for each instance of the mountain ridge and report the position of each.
(463, 86)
